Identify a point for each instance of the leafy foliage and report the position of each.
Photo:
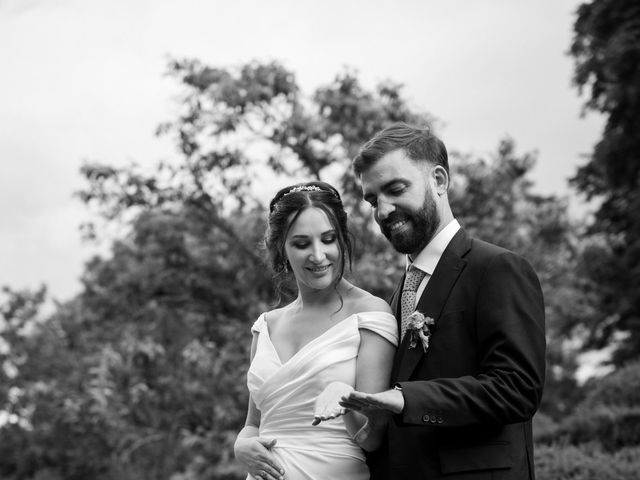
(559, 462)
(51, 425)
(609, 414)
(160, 331)
(606, 48)
(600, 438)
(143, 374)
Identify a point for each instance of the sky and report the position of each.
(84, 80)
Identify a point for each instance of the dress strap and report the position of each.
(259, 324)
(382, 323)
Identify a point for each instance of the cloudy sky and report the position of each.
(84, 80)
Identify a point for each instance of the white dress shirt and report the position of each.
(430, 255)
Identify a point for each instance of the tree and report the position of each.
(261, 105)
(606, 47)
(52, 429)
(154, 350)
(162, 324)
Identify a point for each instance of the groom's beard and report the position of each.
(421, 227)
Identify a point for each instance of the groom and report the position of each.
(460, 406)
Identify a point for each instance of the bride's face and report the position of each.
(313, 250)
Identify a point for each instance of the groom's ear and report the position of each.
(441, 178)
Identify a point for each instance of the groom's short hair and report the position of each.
(418, 143)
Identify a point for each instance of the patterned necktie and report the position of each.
(408, 299)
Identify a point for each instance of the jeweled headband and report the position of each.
(304, 188)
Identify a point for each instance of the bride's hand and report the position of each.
(327, 406)
(255, 454)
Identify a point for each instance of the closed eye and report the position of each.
(330, 238)
(397, 188)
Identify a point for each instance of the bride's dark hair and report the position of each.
(285, 208)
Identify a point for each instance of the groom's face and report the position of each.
(400, 192)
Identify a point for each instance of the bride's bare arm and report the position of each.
(373, 372)
(252, 450)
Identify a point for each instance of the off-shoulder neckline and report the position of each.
(313, 340)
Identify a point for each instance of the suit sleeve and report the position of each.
(507, 385)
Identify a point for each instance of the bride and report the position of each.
(332, 338)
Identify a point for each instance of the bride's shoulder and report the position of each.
(363, 301)
(374, 314)
(272, 317)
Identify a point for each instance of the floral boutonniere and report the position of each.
(419, 328)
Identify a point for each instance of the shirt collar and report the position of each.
(430, 255)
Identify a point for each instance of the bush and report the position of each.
(589, 462)
(544, 427)
(618, 389)
(613, 427)
(610, 414)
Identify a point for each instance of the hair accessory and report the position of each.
(304, 188)
(301, 188)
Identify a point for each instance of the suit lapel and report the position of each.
(395, 299)
(433, 300)
(395, 308)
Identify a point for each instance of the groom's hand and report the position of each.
(373, 404)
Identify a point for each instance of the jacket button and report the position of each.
(440, 419)
(425, 418)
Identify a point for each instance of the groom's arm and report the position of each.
(507, 387)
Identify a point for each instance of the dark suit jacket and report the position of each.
(470, 398)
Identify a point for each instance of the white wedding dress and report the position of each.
(285, 394)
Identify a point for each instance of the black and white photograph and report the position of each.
(319, 240)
